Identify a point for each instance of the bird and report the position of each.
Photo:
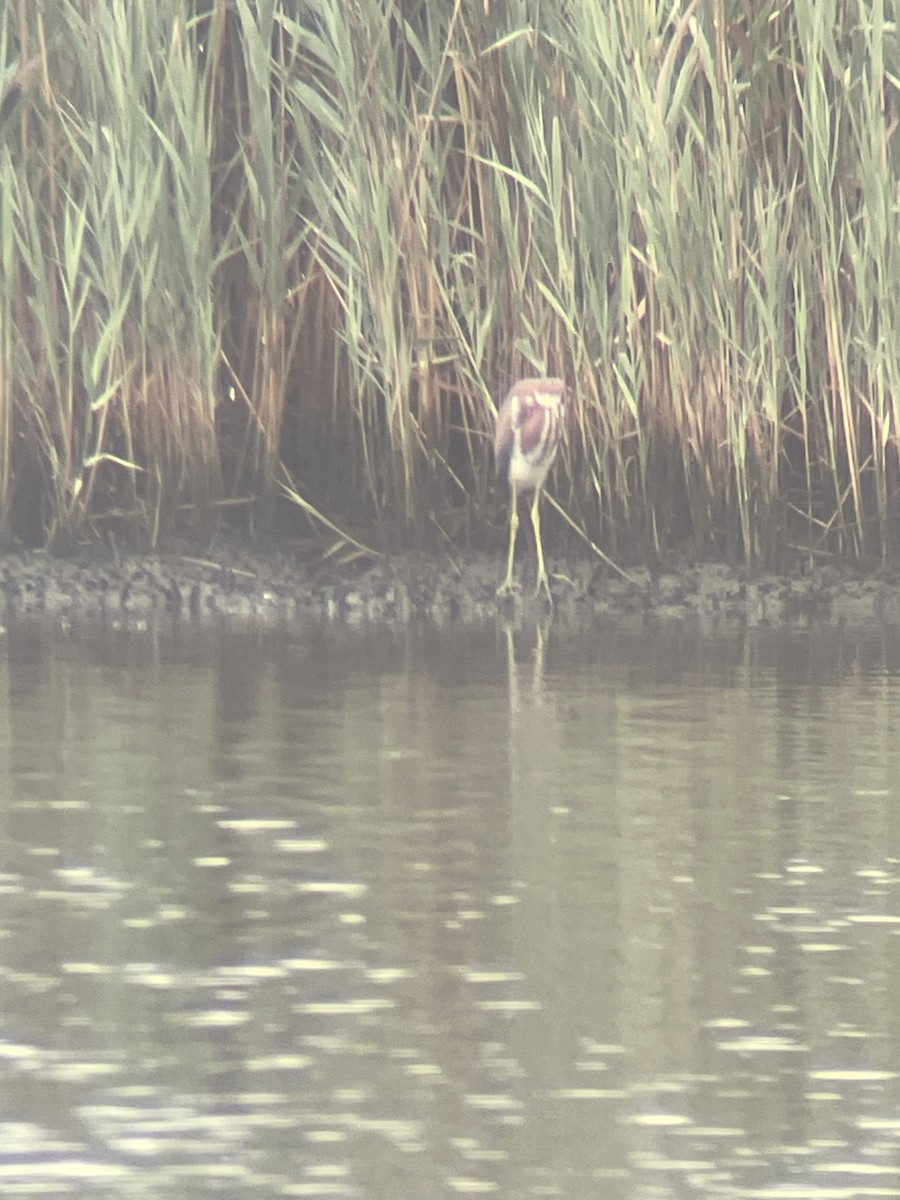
(526, 438)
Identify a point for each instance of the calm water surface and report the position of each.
(382, 914)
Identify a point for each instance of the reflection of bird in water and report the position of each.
(518, 690)
(529, 426)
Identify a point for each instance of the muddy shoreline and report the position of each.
(278, 587)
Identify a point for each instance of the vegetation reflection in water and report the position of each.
(372, 913)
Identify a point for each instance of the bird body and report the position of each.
(527, 435)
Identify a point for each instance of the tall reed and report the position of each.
(108, 263)
(264, 251)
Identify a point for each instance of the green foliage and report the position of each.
(245, 238)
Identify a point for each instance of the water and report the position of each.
(383, 914)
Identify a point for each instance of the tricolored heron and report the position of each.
(529, 426)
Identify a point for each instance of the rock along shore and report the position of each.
(277, 588)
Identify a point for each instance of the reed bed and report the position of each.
(274, 262)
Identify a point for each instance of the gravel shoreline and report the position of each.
(275, 588)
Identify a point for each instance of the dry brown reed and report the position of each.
(285, 253)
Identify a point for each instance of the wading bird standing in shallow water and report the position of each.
(529, 426)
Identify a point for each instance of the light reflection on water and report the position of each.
(376, 914)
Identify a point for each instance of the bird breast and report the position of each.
(536, 435)
(528, 430)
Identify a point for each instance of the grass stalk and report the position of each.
(238, 238)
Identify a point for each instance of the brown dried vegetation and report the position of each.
(273, 257)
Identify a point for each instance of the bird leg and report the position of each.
(542, 580)
(507, 585)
